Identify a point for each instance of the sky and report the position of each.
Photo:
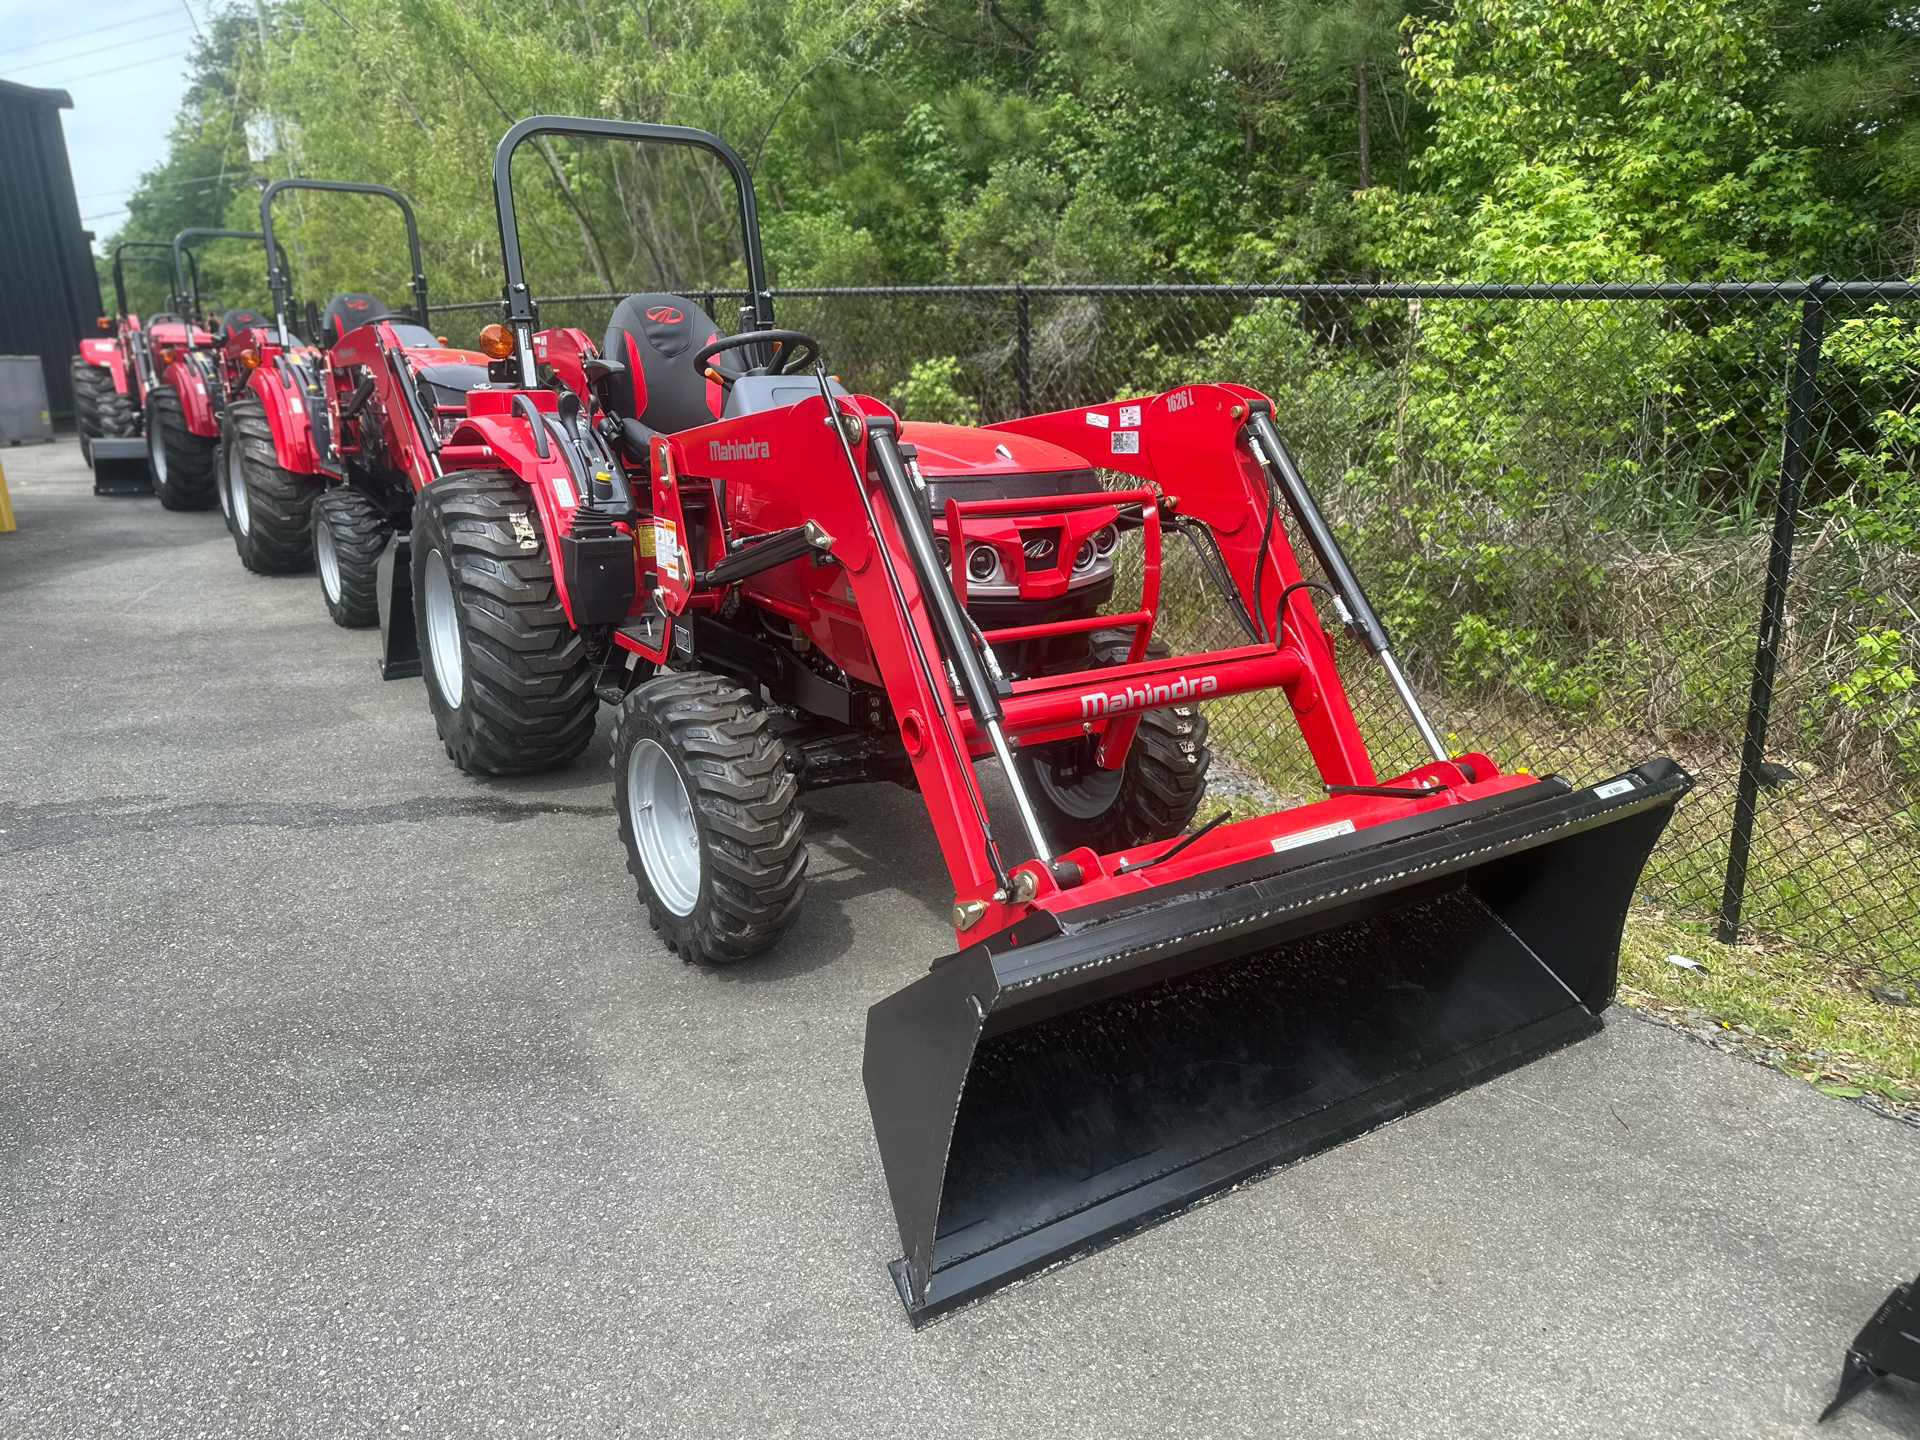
(124, 62)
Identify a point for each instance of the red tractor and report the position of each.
(786, 587)
(325, 443)
(112, 376)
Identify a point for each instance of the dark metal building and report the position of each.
(51, 294)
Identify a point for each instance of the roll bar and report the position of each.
(280, 281)
(119, 278)
(520, 300)
(202, 232)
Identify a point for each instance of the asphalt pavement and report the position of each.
(344, 1094)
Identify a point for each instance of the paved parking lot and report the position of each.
(346, 1095)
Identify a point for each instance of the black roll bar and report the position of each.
(520, 299)
(119, 278)
(279, 277)
(203, 232)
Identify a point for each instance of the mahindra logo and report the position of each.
(1038, 552)
(1145, 697)
(738, 450)
(665, 315)
(356, 304)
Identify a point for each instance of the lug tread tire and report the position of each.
(360, 533)
(279, 502)
(1163, 781)
(530, 702)
(192, 460)
(754, 862)
(99, 410)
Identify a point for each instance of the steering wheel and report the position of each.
(795, 352)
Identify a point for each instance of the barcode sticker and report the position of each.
(1307, 837)
(1613, 788)
(1126, 442)
(1129, 414)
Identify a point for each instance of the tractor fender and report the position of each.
(286, 418)
(195, 403)
(106, 354)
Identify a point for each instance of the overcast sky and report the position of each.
(124, 63)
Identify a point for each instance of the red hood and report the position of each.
(965, 450)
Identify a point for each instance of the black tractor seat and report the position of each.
(348, 310)
(233, 321)
(656, 337)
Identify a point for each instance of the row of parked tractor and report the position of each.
(779, 586)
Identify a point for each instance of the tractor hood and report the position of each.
(962, 450)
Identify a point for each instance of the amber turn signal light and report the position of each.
(496, 342)
(104, 323)
(250, 358)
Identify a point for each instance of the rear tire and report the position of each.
(1151, 797)
(709, 815)
(99, 411)
(269, 510)
(185, 466)
(507, 676)
(349, 534)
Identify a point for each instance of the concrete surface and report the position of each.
(345, 1095)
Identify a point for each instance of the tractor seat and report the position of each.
(655, 337)
(233, 321)
(348, 310)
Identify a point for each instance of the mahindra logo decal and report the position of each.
(665, 315)
(356, 304)
(1038, 551)
(1145, 697)
(738, 450)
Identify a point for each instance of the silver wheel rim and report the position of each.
(664, 831)
(328, 560)
(443, 632)
(237, 490)
(157, 453)
(221, 484)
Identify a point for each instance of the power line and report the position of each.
(116, 69)
(102, 49)
(89, 33)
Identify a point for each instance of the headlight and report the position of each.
(944, 551)
(1104, 539)
(982, 564)
(1083, 557)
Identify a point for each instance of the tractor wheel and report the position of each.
(1151, 797)
(349, 533)
(185, 466)
(709, 815)
(99, 410)
(507, 677)
(268, 509)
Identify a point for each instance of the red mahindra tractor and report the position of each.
(111, 377)
(787, 587)
(326, 442)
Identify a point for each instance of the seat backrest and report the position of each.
(348, 310)
(656, 337)
(235, 320)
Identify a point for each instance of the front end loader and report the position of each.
(784, 587)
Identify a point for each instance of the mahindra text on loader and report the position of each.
(786, 587)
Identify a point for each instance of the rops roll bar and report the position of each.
(201, 232)
(520, 300)
(280, 281)
(119, 278)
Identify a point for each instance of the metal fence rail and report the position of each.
(1604, 520)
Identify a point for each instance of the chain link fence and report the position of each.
(1602, 522)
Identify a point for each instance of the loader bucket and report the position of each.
(120, 466)
(1092, 1071)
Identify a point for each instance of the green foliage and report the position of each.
(931, 391)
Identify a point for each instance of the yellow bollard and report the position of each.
(6, 505)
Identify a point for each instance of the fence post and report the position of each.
(1023, 349)
(1802, 393)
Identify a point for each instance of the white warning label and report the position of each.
(1307, 837)
(1129, 414)
(666, 545)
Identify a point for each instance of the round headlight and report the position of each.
(982, 563)
(943, 550)
(1083, 557)
(1105, 538)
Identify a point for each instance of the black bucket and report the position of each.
(1076, 1077)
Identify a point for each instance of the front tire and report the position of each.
(269, 509)
(349, 534)
(99, 411)
(709, 815)
(507, 676)
(1151, 797)
(185, 466)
